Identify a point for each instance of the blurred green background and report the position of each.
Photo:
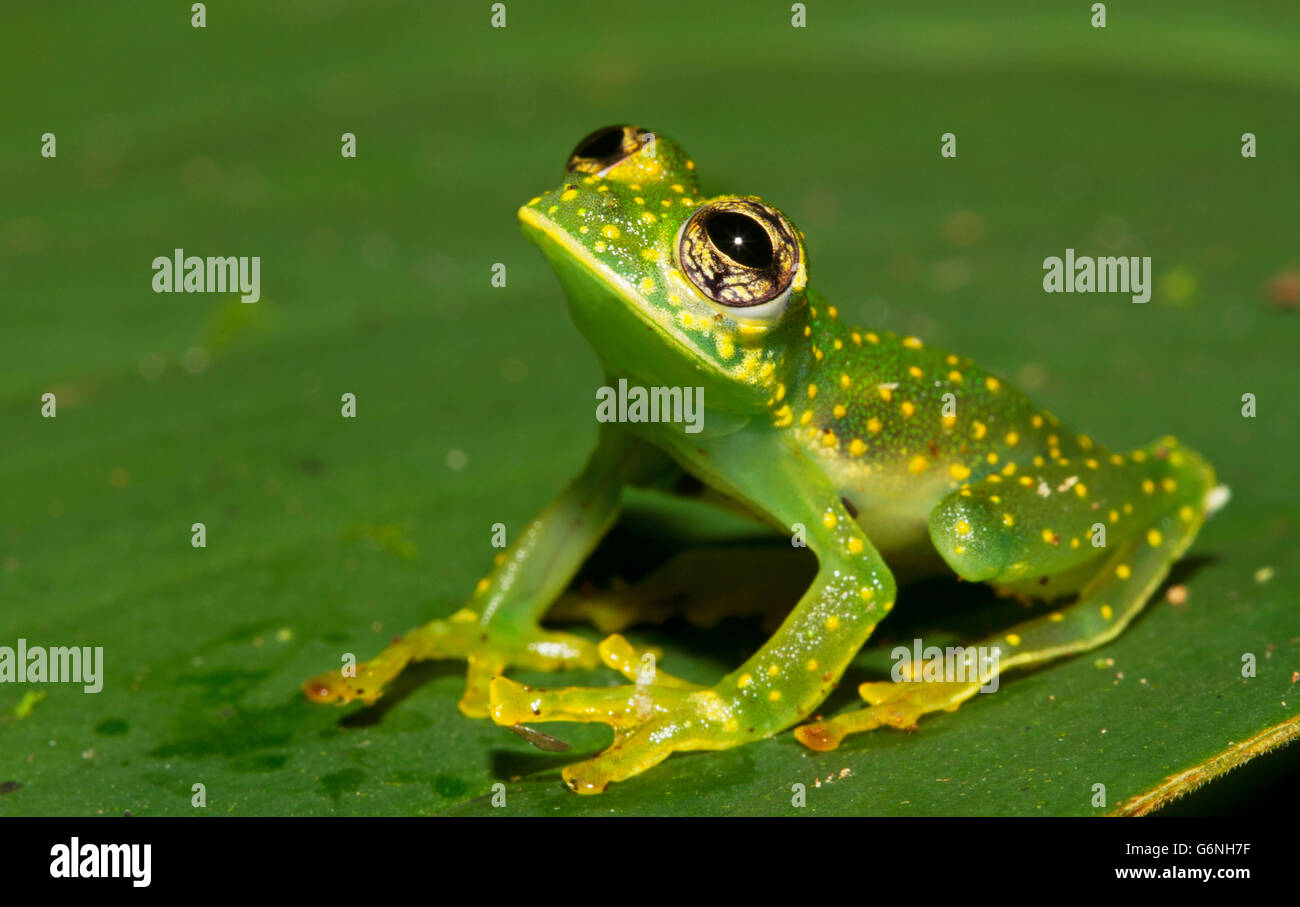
(475, 403)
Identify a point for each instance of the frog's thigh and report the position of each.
(703, 584)
(1124, 580)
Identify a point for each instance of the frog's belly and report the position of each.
(893, 509)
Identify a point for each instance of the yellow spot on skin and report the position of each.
(1123, 572)
(832, 623)
(979, 429)
(1037, 421)
(568, 195)
(599, 247)
(871, 337)
(855, 545)
(873, 425)
(907, 409)
(951, 360)
(857, 338)
(1049, 536)
(829, 439)
(744, 681)
(1114, 516)
(962, 527)
(1038, 461)
(1091, 463)
(914, 371)
(648, 217)
(838, 344)
(845, 381)
(610, 231)
(1026, 481)
(867, 593)
(829, 519)
(832, 311)
(839, 411)
(780, 392)
(773, 670)
(812, 391)
(1128, 508)
(1168, 484)
(806, 417)
(1148, 486)
(955, 377)
(1154, 538)
(482, 586)
(918, 465)
(1012, 439)
(1185, 513)
(1008, 520)
(1009, 469)
(726, 349)
(1056, 617)
(912, 343)
(813, 664)
(1117, 459)
(1085, 442)
(775, 695)
(1013, 638)
(992, 457)
(959, 549)
(886, 393)
(1107, 612)
(857, 448)
(783, 417)
(676, 187)
(1081, 490)
(992, 384)
(1074, 543)
(949, 421)
(959, 471)
(807, 330)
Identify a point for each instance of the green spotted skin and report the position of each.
(878, 449)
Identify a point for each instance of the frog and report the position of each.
(884, 457)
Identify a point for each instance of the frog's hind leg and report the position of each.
(704, 585)
(1175, 496)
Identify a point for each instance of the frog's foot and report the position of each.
(487, 650)
(658, 715)
(897, 705)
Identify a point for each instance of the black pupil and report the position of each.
(740, 238)
(603, 144)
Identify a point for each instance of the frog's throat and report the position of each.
(543, 225)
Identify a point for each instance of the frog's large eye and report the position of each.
(741, 253)
(604, 148)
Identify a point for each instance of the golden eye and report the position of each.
(741, 253)
(604, 148)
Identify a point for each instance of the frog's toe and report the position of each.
(630, 755)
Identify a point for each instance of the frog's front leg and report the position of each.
(1012, 534)
(782, 683)
(498, 628)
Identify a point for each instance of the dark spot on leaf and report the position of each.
(112, 727)
(8, 787)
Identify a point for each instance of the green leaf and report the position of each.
(328, 535)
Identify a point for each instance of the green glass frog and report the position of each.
(875, 448)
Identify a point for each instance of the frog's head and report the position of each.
(671, 288)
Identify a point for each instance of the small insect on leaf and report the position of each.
(540, 740)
